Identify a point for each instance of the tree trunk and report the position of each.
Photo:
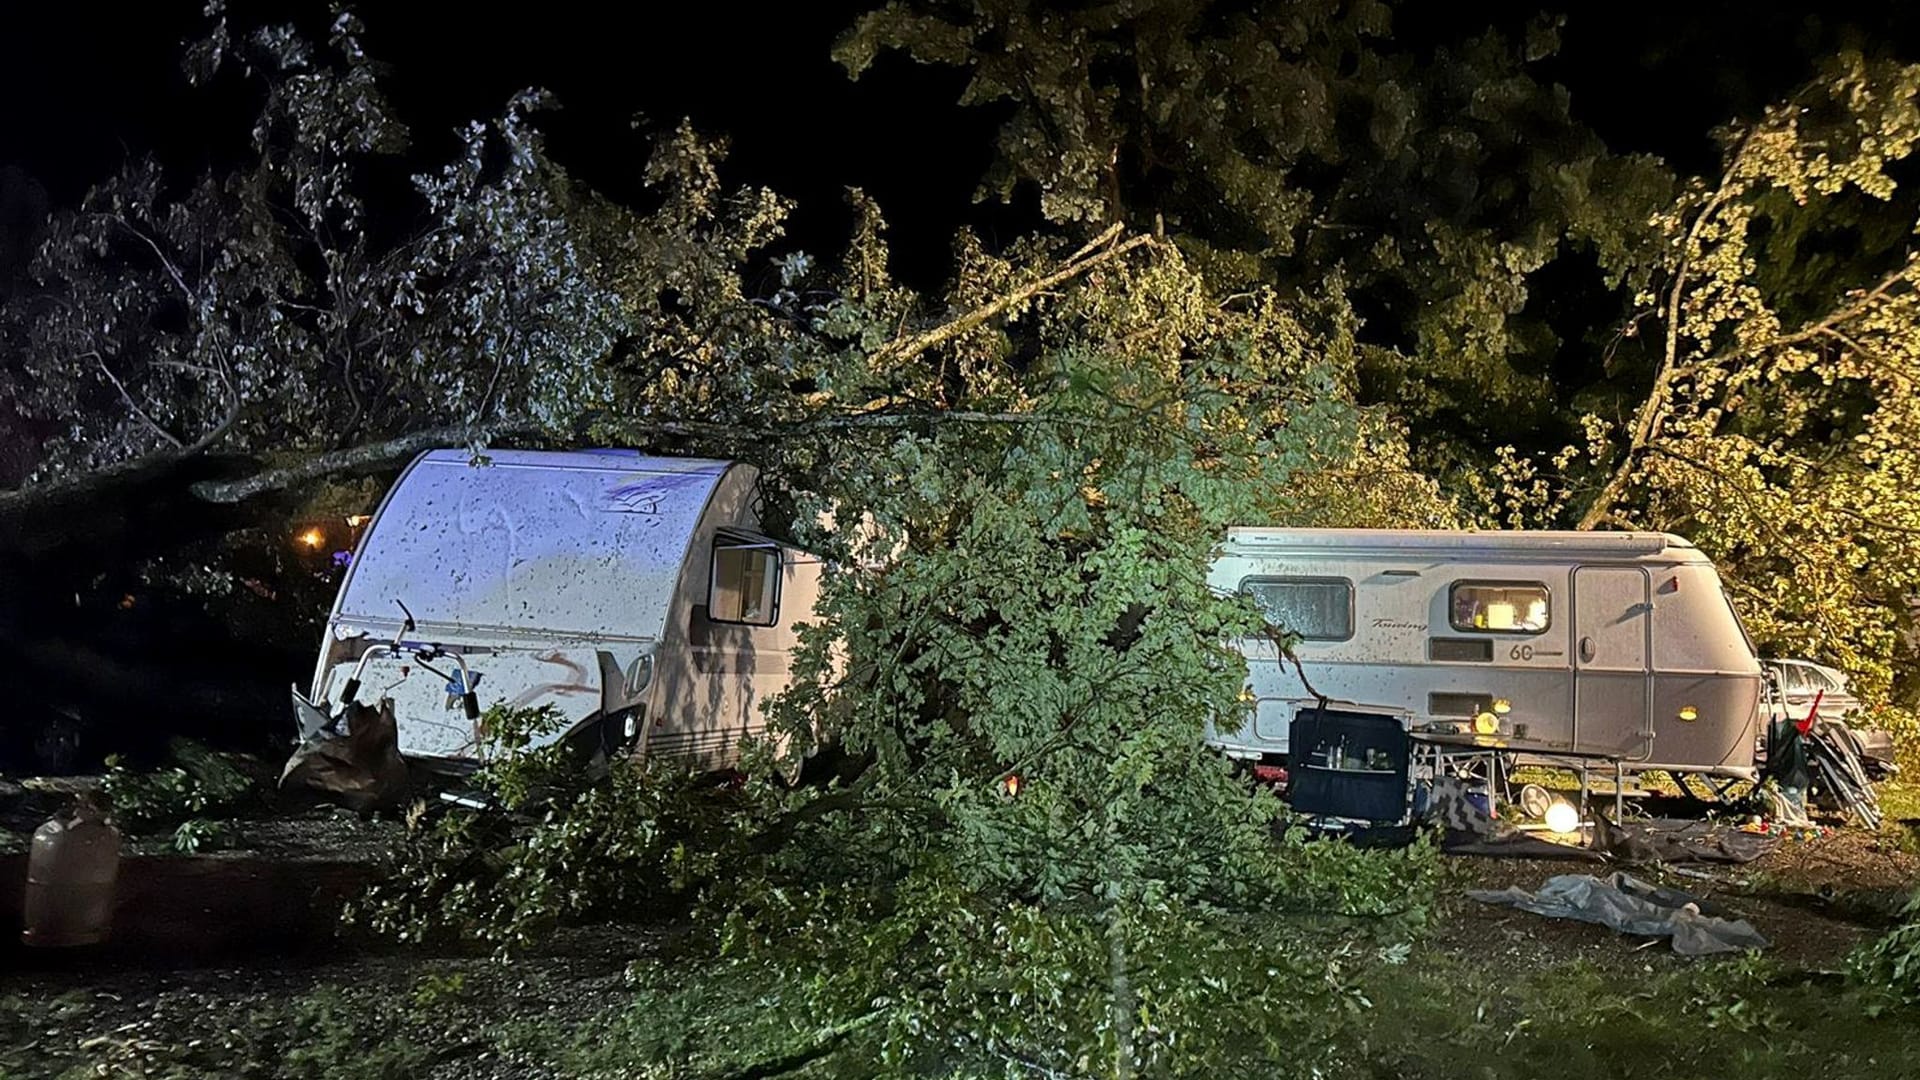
(1120, 996)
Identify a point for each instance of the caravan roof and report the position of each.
(1439, 542)
(582, 542)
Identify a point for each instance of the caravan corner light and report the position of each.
(1502, 706)
(639, 674)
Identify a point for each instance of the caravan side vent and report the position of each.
(1443, 704)
(1458, 648)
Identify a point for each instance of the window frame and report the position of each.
(1797, 679)
(1453, 591)
(735, 542)
(1309, 579)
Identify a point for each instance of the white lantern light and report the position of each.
(1562, 817)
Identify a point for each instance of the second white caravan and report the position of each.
(1621, 646)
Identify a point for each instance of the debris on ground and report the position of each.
(1631, 906)
(1823, 757)
(360, 769)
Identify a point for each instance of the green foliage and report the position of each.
(1017, 585)
(263, 310)
(327, 1039)
(195, 835)
(560, 845)
(951, 983)
(1891, 965)
(194, 782)
(1281, 142)
(1028, 596)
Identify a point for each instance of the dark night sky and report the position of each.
(84, 92)
(81, 90)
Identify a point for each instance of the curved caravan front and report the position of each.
(577, 581)
(1621, 645)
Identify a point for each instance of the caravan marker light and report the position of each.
(1689, 713)
(1486, 724)
(1562, 817)
(1502, 706)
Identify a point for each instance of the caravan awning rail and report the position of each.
(1254, 539)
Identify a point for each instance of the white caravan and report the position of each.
(636, 595)
(1619, 646)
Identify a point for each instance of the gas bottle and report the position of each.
(71, 873)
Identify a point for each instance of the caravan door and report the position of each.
(1612, 650)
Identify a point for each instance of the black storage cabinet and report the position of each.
(1378, 795)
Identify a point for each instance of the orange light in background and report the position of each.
(1011, 785)
(357, 520)
(312, 538)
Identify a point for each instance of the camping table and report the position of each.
(1446, 744)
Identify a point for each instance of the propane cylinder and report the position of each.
(71, 873)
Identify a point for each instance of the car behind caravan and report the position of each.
(633, 594)
(1620, 646)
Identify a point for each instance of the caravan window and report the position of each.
(1317, 609)
(1500, 607)
(745, 586)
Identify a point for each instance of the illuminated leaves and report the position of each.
(1786, 446)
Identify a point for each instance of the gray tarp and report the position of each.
(1631, 906)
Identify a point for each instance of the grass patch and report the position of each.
(1443, 1016)
(1900, 800)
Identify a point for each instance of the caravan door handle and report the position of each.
(1586, 650)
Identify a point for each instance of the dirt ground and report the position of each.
(1815, 900)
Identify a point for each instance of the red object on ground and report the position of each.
(1270, 774)
(1812, 712)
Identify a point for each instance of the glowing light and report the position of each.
(1689, 713)
(312, 538)
(356, 520)
(1502, 706)
(1562, 817)
(1486, 724)
(1011, 785)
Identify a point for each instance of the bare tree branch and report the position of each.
(367, 456)
(1080, 263)
(133, 406)
(1834, 321)
(1652, 410)
(166, 263)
